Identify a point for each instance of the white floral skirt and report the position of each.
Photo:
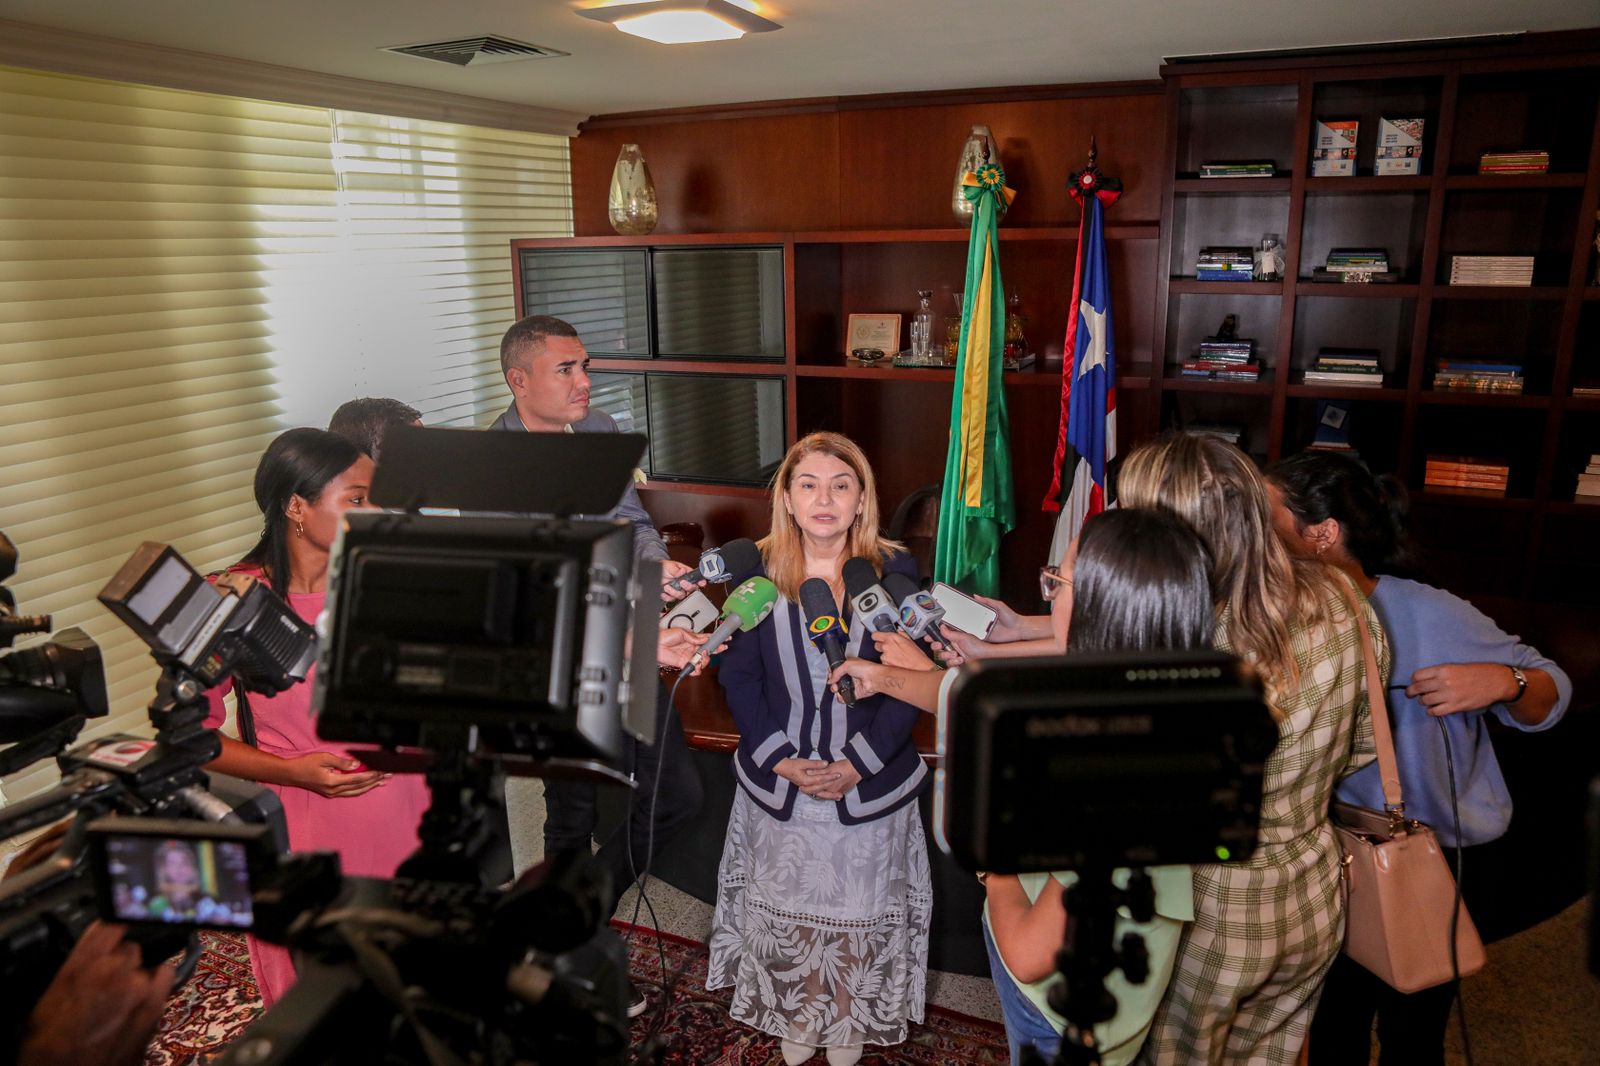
(822, 928)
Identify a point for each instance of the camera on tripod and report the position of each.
(1102, 765)
(199, 634)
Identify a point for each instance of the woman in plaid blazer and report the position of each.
(1250, 966)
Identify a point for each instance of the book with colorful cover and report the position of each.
(1399, 146)
(1334, 153)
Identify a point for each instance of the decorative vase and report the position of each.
(978, 150)
(632, 204)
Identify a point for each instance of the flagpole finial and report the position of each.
(1090, 180)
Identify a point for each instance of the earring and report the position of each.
(300, 529)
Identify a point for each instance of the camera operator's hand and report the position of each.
(897, 649)
(671, 569)
(102, 1007)
(869, 678)
(332, 775)
(834, 780)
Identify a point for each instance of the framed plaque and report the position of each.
(873, 331)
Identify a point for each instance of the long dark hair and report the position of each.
(1142, 580)
(1371, 510)
(300, 462)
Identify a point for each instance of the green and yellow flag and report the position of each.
(976, 507)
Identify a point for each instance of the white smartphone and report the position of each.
(963, 612)
(694, 612)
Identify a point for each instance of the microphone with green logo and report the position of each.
(747, 607)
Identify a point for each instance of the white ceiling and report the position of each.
(826, 48)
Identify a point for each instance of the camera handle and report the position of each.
(1089, 953)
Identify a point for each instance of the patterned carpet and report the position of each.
(221, 1000)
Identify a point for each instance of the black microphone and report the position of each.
(920, 613)
(826, 631)
(869, 598)
(720, 564)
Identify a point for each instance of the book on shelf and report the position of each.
(1473, 375)
(1586, 390)
(1589, 482)
(1355, 265)
(1357, 367)
(1399, 146)
(1239, 168)
(1466, 472)
(1220, 371)
(1519, 161)
(1225, 431)
(1333, 154)
(1225, 263)
(1334, 422)
(1491, 270)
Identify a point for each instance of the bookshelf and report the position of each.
(1543, 92)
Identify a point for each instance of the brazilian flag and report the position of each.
(976, 507)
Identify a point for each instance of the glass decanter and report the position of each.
(922, 326)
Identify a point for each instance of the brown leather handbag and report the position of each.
(1399, 892)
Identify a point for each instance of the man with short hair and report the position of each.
(546, 368)
(363, 422)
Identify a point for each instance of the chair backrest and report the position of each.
(915, 523)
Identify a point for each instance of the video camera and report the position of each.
(1095, 763)
(200, 635)
(469, 647)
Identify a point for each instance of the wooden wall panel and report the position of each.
(897, 165)
(726, 176)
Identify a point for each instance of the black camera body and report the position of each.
(1136, 759)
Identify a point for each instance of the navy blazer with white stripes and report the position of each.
(769, 690)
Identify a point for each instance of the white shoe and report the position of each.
(794, 1054)
(848, 1055)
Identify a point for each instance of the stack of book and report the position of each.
(1224, 263)
(1356, 264)
(1477, 375)
(1521, 161)
(1239, 168)
(1491, 270)
(1231, 433)
(1457, 472)
(1587, 391)
(1346, 366)
(1224, 359)
(1589, 482)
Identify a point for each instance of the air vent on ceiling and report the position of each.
(476, 51)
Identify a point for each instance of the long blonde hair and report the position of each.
(1261, 592)
(782, 547)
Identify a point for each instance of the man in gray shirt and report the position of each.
(546, 367)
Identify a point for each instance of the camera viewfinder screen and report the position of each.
(166, 879)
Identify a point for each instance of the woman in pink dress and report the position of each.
(306, 480)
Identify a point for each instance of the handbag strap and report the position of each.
(1377, 705)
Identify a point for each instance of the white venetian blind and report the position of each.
(427, 212)
(184, 275)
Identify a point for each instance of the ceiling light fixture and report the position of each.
(684, 21)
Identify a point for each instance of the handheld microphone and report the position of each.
(826, 631)
(720, 564)
(868, 597)
(920, 613)
(746, 607)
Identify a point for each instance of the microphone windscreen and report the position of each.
(751, 602)
(816, 600)
(741, 556)
(899, 586)
(859, 576)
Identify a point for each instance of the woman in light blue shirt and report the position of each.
(1452, 667)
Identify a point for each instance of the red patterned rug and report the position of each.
(220, 1000)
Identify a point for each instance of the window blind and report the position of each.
(182, 276)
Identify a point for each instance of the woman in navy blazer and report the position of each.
(824, 893)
